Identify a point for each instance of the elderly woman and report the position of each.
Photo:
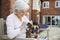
(17, 21)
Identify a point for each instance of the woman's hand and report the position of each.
(24, 24)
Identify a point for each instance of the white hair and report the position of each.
(20, 4)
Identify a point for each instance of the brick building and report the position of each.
(50, 12)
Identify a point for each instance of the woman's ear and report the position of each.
(16, 11)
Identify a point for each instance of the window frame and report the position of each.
(51, 20)
(46, 2)
(57, 6)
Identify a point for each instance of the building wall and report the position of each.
(11, 5)
(34, 15)
(36, 4)
(5, 8)
(51, 10)
(0, 7)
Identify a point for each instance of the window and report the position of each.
(45, 4)
(57, 4)
(52, 20)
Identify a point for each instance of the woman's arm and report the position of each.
(25, 22)
(24, 25)
(11, 32)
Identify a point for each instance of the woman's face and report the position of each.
(21, 12)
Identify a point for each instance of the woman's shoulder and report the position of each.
(11, 15)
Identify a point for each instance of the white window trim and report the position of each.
(46, 2)
(44, 19)
(47, 16)
(57, 6)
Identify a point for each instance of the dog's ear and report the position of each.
(29, 25)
